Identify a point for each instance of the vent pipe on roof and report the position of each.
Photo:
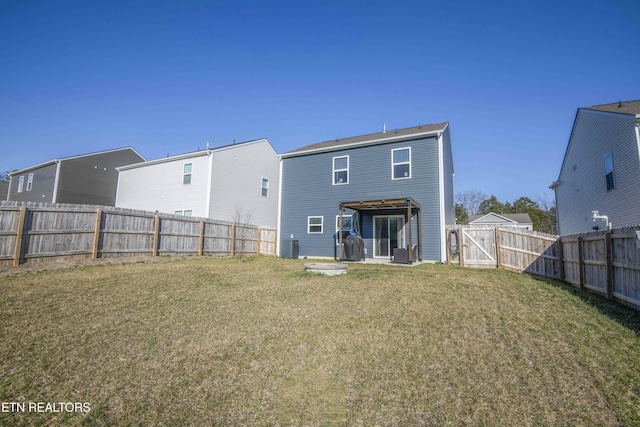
(384, 128)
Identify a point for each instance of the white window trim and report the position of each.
(262, 187)
(29, 182)
(309, 225)
(184, 174)
(334, 170)
(20, 184)
(338, 226)
(400, 163)
(338, 222)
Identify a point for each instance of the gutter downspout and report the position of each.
(207, 207)
(55, 182)
(443, 244)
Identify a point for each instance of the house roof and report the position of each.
(370, 139)
(622, 107)
(61, 159)
(519, 218)
(192, 154)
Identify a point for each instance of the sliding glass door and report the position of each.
(388, 234)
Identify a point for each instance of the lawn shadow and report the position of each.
(626, 316)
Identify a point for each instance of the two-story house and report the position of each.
(235, 182)
(84, 179)
(601, 169)
(394, 188)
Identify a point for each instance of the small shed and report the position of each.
(518, 220)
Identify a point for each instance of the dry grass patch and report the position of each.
(215, 342)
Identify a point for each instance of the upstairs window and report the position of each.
(314, 224)
(20, 184)
(186, 175)
(608, 172)
(30, 182)
(401, 163)
(265, 187)
(340, 170)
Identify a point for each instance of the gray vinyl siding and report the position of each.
(237, 183)
(42, 188)
(307, 190)
(582, 186)
(93, 179)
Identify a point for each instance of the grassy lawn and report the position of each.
(215, 342)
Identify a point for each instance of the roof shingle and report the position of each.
(370, 138)
(622, 107)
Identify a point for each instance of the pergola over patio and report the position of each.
(407, 204)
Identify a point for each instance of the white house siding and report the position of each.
(158, 185)
(581, 186)
(237, 183)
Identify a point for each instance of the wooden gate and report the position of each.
(478, 247)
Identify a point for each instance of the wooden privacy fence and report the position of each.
(37, 232)
(606, 262)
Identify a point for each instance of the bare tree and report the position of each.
(470, 200)
(242, 220)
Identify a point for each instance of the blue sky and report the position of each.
(166, 77)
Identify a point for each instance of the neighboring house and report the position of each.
(236, 182)
(4, 190)
(384, 182)
(601, 169)
(84, 179)
(521, 220)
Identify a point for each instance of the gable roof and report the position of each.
(193, 154)
(622, 107)
(62, 159)
(370, 139)
(518, 218)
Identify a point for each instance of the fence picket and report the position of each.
(606, 262)
(56, 231)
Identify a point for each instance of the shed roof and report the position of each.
(622, 107)
(372, 138)
(520, 218)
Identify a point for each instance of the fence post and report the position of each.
(498, 252)
(156, 235)
(560, 257)
(275, 242)
(461, 249)
(96, 234)
(17, 254)
(609, 254)
(259, 238)
(201, 239)
(233, 240)
(447, 233)
(581, 262)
